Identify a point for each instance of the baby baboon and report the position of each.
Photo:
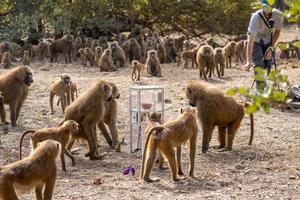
(88, 42)
(26, 58)
(61, 134)
(77, 44)
(106, 63)
(240, 51)
(90, 56)
(206, 61)
(2, 110)
(6, 60)
(88, 110)
(229, 52)
(167, 137)
(118, 55)
(14, 85)
(39, 50)
(62, 45)
(103, 42)
(98, 53)
(134, 50)
(152, 64)
(137, 67)
(216, 109)
(61, 88)
(220, 60)
(37, 171)
(161, 53)
(83, 57)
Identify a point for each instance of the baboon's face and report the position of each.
(69, 38)
(98, 49)
(207, 52)
(190, 110)
(74, 126)
(66, 79)
(103, 39)
(149, 43)
(107, 91)
(134, 63)
(113, 46)
(132, 42)
(26, 53)
(78, 40)
(152, 55)
(108, 52)
(88, 41)
(191, 96)
(28, 78)
(232, 44)
(81, 51)
(96, 42)
(115, 92)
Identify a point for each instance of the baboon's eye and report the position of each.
(189, 90)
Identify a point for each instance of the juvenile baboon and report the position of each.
(61, 88)
(106, 63)
(137, 67)
(103, 42)
(26, 58)
(14, 85)
(6, 60)
(134, 50)
(152, 64)
(216, 109)
(98, 53)
(88, 42)
(170, 50)
(220, 60)
(190, 54)
(61, 134)
(90, 56)
(161, 53)
(179, 43)
(74, 92)
(39, 50)
(88, 110)
(83, 57)
(240, 51)
(118, 55)
(37, 171)
(2, 110)
(229, 52)
(77, 44)
(95, 43)
(167, 137)
(62, 45)
(206, 61)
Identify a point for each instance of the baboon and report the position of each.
(168, 136)
(61, 134)
(134, 50)
(122, 38)
(240, 51)
(26, 58)
(190, 55)
(206, 61)
(161, 53)
(95, 43)
(179, 43)
(220, 60)
(74, 92)
(103, 42)
(62, 45)
(216, 109)
(135, 32)
(83, 57)
(77, 44)
(152, 64)
(211, 42)
(2, 110)
(141, 42)
(37, 171)
(14, 85)
(170, 50)
(155, 119)
(126, 46)
(98, 53)
(110, 119)
(137, 67)
(156, 38)
(90, 56)
(39, 50)
(6, 60)
(118, 55)
(88, 42)
(5, 47)
(106, 63)
(88, 110)
(149, 45)
(61, 88)
(229, 52)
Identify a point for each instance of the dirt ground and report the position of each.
(269, 169)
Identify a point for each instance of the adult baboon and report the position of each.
(14, 86)
(62, 45)
(152, 64)
(106, 63)
(206, 61)
(134, 50)
(229, 52)
(118, 55)
(39, 50)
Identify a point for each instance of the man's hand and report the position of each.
(269, 55)
(247, 66)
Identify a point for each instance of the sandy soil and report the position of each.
(265, 170)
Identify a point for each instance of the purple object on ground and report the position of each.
(129, 170)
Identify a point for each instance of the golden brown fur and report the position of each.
(240, 50)
(106, 63)
(167, 137)
(220, 60)
(161, 53)
(88, 42)
(6, 60)
(179, 43)
(37, 171)
(39, 50)
(62, 45)
(14, 85)
(61, 88)
(137, 67)
(90, 56)
(229, 52)
(26, 58)
(206, 61)
(77, 44)
(118, 54)
(98, 54)
(83, 57)
(95, 43)
(88, 110)
(135, 51)
(152, 64)
(215, 109)
(2, 109)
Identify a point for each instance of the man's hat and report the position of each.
(265, 3)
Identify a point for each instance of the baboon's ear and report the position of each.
(181, 110)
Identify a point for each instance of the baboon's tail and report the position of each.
(21, 141)
(148, 134)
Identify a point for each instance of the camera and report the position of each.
(271, 23)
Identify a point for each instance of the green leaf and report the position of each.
(271, 2)
(260, 71)
(283, 46)
(297, 44)
(242, 90)
(231, 92)
(266, 108)
(251, 109)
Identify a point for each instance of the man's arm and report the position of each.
(250, 43)
(276, 36)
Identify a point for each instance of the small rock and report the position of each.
(292, 177)
(168, 101)
(239, 167)
(45, 69)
